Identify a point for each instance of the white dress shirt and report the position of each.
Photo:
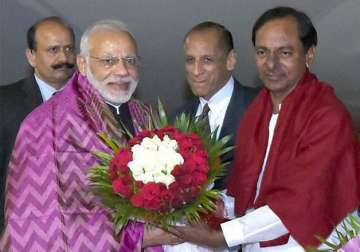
(218, 104)
(46, 90)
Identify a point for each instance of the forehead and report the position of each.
(278, 32)
(205, 42)
(52, 33)
(112, 42)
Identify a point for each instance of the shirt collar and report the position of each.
(220, 97)
(117, 107)
(46, 90)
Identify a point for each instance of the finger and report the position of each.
(175, 240)
(175, 231)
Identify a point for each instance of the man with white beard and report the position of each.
(49, 204)
(109, 61)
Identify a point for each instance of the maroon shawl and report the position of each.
(312, 174)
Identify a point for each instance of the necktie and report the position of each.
(204, 116)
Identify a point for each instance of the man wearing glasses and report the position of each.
(49, 205)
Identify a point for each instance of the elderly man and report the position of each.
(51, 54)
(296, 172)
(49, 205)
(210, 59)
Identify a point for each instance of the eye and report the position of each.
(132, 61)
(110, 61)
(260, 52)
(208, 60)
(189, 60)
(54, 49)
(286, 53)
(69, 49)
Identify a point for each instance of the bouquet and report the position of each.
(163, 174)
(348, 239)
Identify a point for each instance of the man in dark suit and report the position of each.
(50, 52)
(209, 61)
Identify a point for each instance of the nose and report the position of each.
(62, 55)
(272, 61)
(121, 69)
(198, 68)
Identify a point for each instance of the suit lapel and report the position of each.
(234, 112)
(32, 94)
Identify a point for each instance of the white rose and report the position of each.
(154, 159)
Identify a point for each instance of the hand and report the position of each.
(157, 236)
(200, 233)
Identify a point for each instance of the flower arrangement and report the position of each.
(348, 240)
(162, 175)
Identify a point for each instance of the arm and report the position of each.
(260, 225)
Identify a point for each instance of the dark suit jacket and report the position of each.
(17, 100)
(241, 98)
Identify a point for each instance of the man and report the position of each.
(296, 170)
(210, 59)
(51, 54)
(49, 204)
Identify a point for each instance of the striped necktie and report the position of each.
(204, 116)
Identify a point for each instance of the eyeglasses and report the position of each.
(108, 62)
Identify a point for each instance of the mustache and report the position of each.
(118, 79)
(63, 65)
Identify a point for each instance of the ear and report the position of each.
(31, 57)
(82, 64)
(310, 56)
(231, 60)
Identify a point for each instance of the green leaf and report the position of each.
(108, 141)
(162, 114)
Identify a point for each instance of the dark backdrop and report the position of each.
(159, 27)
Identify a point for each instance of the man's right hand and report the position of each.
(157, 236)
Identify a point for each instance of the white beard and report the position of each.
(112, 97)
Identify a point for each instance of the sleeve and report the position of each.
(259, 225)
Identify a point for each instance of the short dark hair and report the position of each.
(31, 32)
(307, 31)
(226, 36)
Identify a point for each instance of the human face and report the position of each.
(280, 56)
(53, 59)
(208, 67)
(111, 65)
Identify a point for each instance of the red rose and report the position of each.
(134, 141)
(185, 144)
(195, 191)
(137, 200)
(119, 162)
(153, 204)
(174, 187)
(199, 159)
(189, 166)
(139, 184)
(123, 157)
(199, 178)
(113, 172)
(150, 190)
(177, 201)
(166, 196)
(185, 180)
(127, 179)
(185, 154)
(121, 188)
(204, 168)
(176, 171)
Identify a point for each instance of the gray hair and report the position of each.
(107, 24)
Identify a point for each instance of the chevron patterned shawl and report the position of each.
(49, 206)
